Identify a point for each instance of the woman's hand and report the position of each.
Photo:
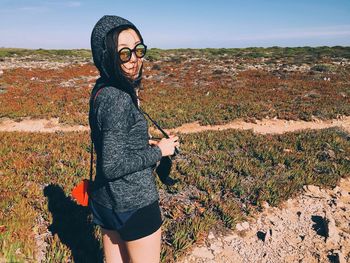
(167, 146)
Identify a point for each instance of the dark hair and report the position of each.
(117, 77)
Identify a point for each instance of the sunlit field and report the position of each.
(224, 176)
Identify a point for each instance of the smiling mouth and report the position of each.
(132, 71)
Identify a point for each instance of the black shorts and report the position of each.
(130, 225)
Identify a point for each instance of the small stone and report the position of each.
(268, 236)
(313, 188)
(216, 247)
(289, 258)
(230, 255)
(229, 238)
(336, 189)
(333, 238)
(242, 226)
(203, 252)
(211, 235)
(245, 225)
(344, 193)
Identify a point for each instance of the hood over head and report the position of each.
(102, 57)
(98, 40)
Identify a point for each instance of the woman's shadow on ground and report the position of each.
(70, 222)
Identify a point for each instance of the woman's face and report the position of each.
(129, 38)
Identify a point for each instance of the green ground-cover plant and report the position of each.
(51, 54)
(254, 94)
(178, 92)
(224, 177)
(48, 93)
(307, 54)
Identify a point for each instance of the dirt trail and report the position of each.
(272, 126)
(265, 126)
(38, 125)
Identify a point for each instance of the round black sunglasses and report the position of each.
(125, 53)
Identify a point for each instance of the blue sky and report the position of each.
(179, 24)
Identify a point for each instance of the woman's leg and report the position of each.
(146, 249)
(114, 247)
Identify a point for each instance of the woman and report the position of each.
(124, 200)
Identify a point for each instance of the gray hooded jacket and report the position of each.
(124, 178)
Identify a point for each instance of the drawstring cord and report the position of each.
(141, 110)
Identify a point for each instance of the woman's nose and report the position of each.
(133, 57)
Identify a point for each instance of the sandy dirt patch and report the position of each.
(312, 227)
(265, 126)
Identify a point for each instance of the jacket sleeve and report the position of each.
(117, 159)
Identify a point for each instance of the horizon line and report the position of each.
(247, 47)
